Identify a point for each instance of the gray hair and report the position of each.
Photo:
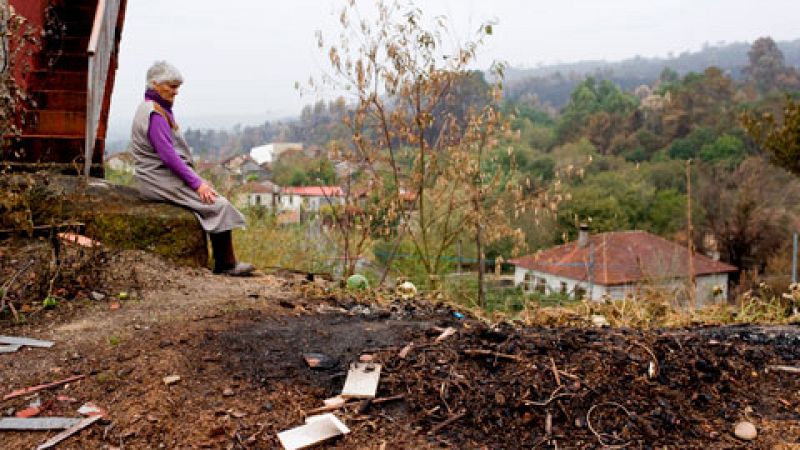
(163, 72)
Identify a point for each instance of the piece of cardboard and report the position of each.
(317, 429)
(362, 381)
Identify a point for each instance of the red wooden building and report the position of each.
(69, 77)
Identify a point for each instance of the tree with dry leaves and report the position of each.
(423, 153)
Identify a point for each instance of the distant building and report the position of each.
(616, 264)
(258, 194)
(268, 153)
(310, 198)
(121, 162)
(245, 168)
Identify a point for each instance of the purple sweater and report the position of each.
(160, 136)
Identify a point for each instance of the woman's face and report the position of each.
(167, 90)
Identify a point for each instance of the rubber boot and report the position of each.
(225, 258)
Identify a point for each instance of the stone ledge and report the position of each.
(116, 216)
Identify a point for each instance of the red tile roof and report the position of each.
(314, 191)
(620, 258)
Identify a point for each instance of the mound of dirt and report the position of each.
(238, 346)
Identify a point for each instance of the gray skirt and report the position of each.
(216, 218)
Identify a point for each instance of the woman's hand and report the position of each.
(207, 193)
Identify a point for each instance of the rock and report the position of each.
(745, 431)
(172, 379)
(97, 296)
(599, 321)
(319, 361)
(228, 392)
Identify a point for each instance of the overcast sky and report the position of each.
(241, 58)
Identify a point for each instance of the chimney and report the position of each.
(583, 235)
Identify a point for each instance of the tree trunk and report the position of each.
(481, 263)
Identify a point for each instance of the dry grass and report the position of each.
(295, 247)
(656, 310)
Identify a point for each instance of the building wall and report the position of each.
(705, 295)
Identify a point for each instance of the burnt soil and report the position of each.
(238, 346)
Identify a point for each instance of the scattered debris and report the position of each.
(745, 431)
(334, 401)
(172, 379)
(30, 411)
(317, 429)
(406, 350)
(69, 432)
(407, 290)
(90, 410)
(37, 423)
(449, 331)
(362, 381)
(789, 369)
(319, 361)
(97, 296)
(40, 387)
(600, 321)
(228, 392)
(11, 340)
(482, 352)
(79, 239)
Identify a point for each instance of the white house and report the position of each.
(617, 264)
(310, 198)
(268, 153)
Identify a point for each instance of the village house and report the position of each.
(268, 153)
(309, 198)
(613, 265)
(258, 194)
(244, 168)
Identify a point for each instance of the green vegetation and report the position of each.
(526, 174)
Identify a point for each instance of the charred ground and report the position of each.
(238, 347)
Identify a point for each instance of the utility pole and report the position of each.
(794, 258)
(459, 256)
(690, 237)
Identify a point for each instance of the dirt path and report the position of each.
(238, 344)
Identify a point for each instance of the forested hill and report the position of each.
(553, 84)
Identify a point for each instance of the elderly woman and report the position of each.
(164, 168)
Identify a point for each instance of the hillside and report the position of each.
(553, 84)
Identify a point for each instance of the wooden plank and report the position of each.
(37, 423)
(789, 369)
(13, 340)
(362, 381)
(317, 429)
(69, 432)
(40, 387)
